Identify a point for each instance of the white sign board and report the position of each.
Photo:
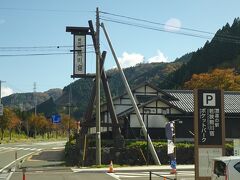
(236, 145)
(1, 109)
(79, 54)
(209, 99)
(205, 160)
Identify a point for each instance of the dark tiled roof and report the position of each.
(185, 99)
(155, 98)
(231, 100)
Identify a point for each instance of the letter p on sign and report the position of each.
(209, 99)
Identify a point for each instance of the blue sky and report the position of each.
(38, 27)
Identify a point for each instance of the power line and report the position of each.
(156, 23)
(154, 28)
(46, 10)
(39, 47)
(33, 47)
(40, 54)
(227, 38)
(221, 37)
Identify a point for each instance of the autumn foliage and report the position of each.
(225, 79)
(33, 125)
(8, 121)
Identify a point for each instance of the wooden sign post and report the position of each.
(209, 128)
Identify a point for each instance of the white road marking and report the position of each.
(18, 149)
(114, 176)
(155, 174)
(16, 161)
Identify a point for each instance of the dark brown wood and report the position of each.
(88, 115)
(78, 30)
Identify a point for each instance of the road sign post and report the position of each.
(209, 128)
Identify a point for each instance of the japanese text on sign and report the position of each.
(79, 54)
(209, 122)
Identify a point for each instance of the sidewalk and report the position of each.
(153, 168)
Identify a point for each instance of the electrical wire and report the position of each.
(38, 54)
(220, 37)
(50, 50)
(156, 23)
(153, 28)
(32, 47)
(38, 47)
(46, 10)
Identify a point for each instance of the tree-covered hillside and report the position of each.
(222, 52)
(26, 101)
(80, 90)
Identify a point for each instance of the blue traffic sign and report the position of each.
(56, 118)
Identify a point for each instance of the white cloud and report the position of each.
(130, 59)
(173, 25)
(158, 58)
(6, 91)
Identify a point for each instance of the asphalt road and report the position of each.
(11, 155)
(64, 175)
(44, 161)
(61, 176)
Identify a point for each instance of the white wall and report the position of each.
(154, 121)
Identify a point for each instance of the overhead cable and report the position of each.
(156, 23)
(154, 28)
(221, 37)
(40, 54)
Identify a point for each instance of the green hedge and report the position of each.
(135, 153)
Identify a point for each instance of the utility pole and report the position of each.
(1, 106)
(35, 105)
(69, 109)
(1, 90)
(98, 117)
(35, 98)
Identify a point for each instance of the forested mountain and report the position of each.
(81, 89)
(26, 101)
(222, 52)
(185, 58)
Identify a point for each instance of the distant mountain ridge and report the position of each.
(25, 101)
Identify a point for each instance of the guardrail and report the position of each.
(161, 176)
